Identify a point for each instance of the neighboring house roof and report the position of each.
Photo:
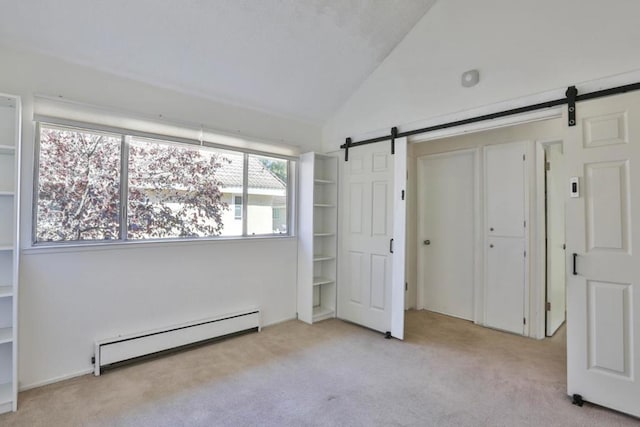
(230, 175)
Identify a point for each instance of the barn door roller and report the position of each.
(571, 94)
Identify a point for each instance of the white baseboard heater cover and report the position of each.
(126, 347)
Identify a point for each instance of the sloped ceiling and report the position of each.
(295, 58)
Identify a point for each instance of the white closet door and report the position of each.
(446, 209)
(504, 172)
(505, 190)
(505, 280)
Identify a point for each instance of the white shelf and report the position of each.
(317, 249)
(323, 181)
(6, 393)
(317, 281)
(9, 215)
(321, 313)
(6, 335)
(7, 149)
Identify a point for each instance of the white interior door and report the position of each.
(371, 287)
(446, 210)
(603, 297)
(505, 203)
(556, 190)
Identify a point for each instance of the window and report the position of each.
(78, 186)
(267, 193)
(113, 187)
(237, 206)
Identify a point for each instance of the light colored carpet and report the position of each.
(448, 372)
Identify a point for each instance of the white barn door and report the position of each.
(603, 296)
(371, 287)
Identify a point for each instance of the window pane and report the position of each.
(237, 205)
(267, 194)
(78, 185)
(181, 191)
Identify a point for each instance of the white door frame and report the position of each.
(478, 289)
(538, 305)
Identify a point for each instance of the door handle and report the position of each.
(575, 257)
(391, 246)
(427, 242)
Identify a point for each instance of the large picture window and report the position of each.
(96, 186)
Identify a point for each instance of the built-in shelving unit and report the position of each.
(317, 237)
(9, 252)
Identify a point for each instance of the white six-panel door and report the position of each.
(368, 187)
(603, 230)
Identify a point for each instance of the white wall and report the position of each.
(69, 298)
(521, 47)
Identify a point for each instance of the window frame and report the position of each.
(126, 135)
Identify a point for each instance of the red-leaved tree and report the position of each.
(173, 190)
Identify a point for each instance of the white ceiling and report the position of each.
(297, 58)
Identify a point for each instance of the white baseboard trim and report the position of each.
(37, 384)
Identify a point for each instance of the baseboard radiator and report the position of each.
(123, 348)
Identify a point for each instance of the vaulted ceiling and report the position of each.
(296, 58)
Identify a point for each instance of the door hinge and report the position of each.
(525, 224)
(524, 156)
(93, 360)
(525, 254)
(548, 306)
(548, 166)
(402, 194)
(524, 320)
(406, 286)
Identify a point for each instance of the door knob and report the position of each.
(427, 242)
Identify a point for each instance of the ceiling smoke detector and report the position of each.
(470, 78)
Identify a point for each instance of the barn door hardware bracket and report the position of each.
(577, 400)
(387, 335)
(571, 94)
(394, 135)
(347, 144)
